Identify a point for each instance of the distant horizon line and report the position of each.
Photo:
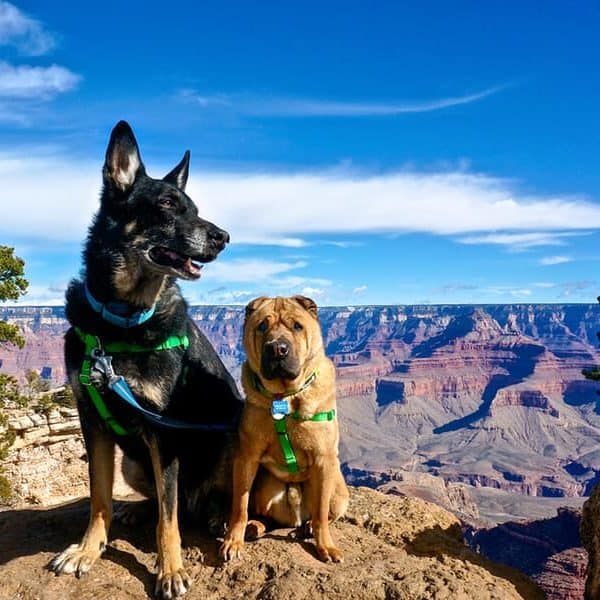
(382, 305)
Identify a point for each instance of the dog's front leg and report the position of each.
(320, 487)
(172, 579)
(79, 558)
(244, 472)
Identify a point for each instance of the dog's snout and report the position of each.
(219, 236)
(278, 349)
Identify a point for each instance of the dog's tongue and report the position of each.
(192, 268)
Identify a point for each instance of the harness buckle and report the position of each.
(103, 363)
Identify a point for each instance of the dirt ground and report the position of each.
(394, 548)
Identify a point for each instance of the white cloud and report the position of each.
(231, 296)
(555, 260)
(521, 241)
(506, 290)
(402, 202)
(253, 270)
(544, 285)
(55, 198)
(361, 289)
(53, 295)
(286, 242)
(295, 282)
(312, 292)
(575, 288)
(451, 288)
(27, 82)
(23, 86)
(23, 32)
(307, 107)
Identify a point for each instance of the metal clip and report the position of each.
(103, 363)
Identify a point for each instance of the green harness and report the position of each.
(93, 346)
(280, 412)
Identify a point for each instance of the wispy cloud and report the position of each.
(544, 284)
(24, 33)
(309, 107)
(361, 289)
(286, 242)
(451, 288)
(259, 277)
(574, 288)
(23, 87)
(225, 296)
(313, 292)
(316, 204)
(555, 260)
(507, 291)
(252, 270)
(522, 241)
(53, 294)
(40, 83)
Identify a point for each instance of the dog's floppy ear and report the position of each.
(308, 304)
(254, 304)
(179, 175)
(123, 162)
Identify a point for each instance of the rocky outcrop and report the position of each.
(548, 550)
(514, 396)
(393, 547)
(451, 496)
(590, 537)
(47, 463)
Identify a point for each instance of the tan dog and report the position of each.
(295, 456)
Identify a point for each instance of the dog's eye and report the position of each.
(166, 202)
(298, 326)
(262, 326)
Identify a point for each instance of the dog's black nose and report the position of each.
(219, 236)
(278, 349)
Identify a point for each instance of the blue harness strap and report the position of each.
(94, 353)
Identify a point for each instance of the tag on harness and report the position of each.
(279, 409)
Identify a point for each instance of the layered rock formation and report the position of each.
(487, 395)
(548, 550)
(393, 547)
(47, 463)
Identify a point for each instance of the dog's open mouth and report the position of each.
(181, 264)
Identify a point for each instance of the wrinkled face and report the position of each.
(281, 335)
(156, 220)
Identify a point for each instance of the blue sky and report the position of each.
(394, 153)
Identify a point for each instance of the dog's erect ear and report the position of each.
(254, 304)
(123, 162)
(179, 175)
(308, 304)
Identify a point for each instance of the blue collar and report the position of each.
(133, 320)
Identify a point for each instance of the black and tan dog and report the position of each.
(146, 234)
(288, 436)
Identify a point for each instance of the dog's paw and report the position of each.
(172, 585)
(231, 548)
(329, 554)
(74, 559)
